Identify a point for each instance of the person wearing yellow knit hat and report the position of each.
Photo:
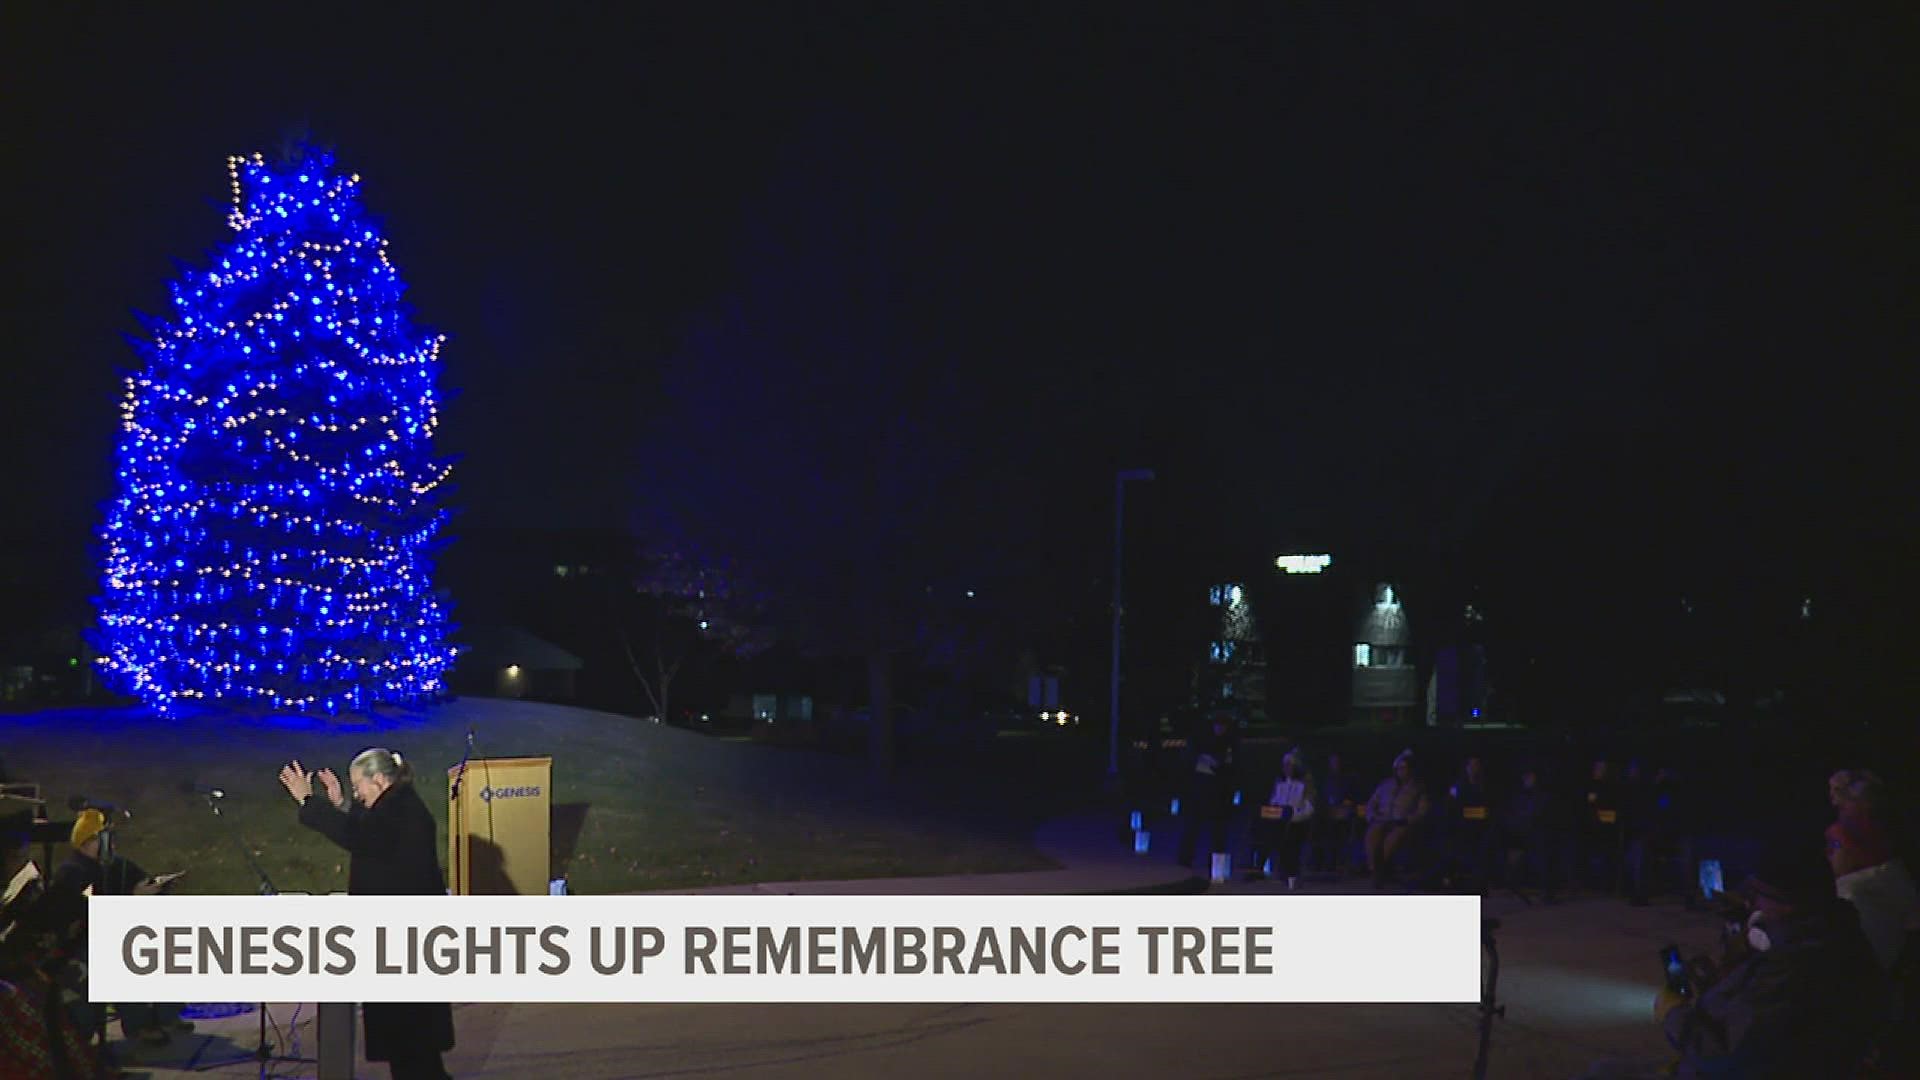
(95, 867)
(88, 825)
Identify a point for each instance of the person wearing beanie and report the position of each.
(1806, 996)
(389, 836)
(1868, 875)
(96, 868)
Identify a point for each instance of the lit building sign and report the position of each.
(1303, 564)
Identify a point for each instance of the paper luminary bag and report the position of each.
(1712, 883)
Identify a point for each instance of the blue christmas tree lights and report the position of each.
(270, 542)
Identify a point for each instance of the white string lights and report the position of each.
(271, 537)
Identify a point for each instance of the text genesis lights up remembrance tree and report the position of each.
(276, 507)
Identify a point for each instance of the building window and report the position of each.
(1390, 656)
(1222, 651)
(1362, 655)
(1226, 595)
(1226, 689)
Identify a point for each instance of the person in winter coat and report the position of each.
(1868, 875)
(39, 1039)
(96, 869)
(1469, 817)
(389, 834)
(1396, 811)
(1284, 821)
(1659, 822)
(1209, 802)
(1597, 835)
(1803, 997)
(1527, 826)
(1333, 827)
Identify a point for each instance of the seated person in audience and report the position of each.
(1598, 838)
(1397, 810)
(1281, 829)
(1470, 822)
(1801, 994)
(1658, 824)
(1527, 827)
(96, 869)
(1333, 826)
(38, 1035)
(1875, 881)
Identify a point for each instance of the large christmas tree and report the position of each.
(270, 540)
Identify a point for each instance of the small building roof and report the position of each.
(501, 646)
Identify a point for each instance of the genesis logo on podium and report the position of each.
(500, 827)
(487, 795)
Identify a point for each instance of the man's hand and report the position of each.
(298, 782)
(1666, 1003)
(330, 784)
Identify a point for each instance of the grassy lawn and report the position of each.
(636, 806)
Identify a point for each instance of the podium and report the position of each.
(500, 827)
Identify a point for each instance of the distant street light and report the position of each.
(1119, 524)
(1303, 564)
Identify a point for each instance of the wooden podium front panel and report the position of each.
(500, 827)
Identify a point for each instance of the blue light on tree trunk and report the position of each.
(279, 482)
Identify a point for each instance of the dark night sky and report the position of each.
(1333, 271)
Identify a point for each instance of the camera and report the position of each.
(1676, 971)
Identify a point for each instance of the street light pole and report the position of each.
(1119, 529)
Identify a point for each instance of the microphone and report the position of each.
(192, 788)
(460, 777)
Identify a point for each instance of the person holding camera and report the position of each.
(1799, 993)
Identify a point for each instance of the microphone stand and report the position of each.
(266, 883)
(453, 804)
(1489, 989)
(264, 1054)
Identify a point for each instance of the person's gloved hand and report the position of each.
(1666, 1003)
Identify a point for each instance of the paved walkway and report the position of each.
(1578, 980)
